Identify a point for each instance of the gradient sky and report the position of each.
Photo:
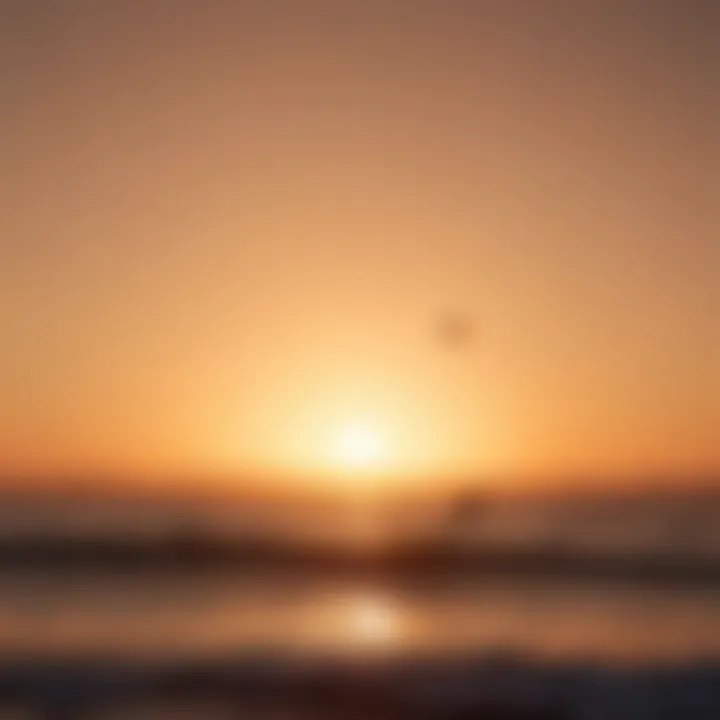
(227, 228)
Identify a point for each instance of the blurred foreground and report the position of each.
(262, 644)
(489, 688)
(589, 612)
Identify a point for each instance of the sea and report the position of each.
(203, 612)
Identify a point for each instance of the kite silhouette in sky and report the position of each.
(455, 330)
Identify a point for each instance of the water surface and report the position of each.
(217, 612)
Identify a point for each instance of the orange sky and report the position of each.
(227, 230)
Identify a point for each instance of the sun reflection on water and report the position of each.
(356, 622)
(373, 620)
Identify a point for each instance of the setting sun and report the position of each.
(360, 447)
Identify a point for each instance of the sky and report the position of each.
(228, 231)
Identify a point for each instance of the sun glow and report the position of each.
(360, 447)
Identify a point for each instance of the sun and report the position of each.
(360, 447)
